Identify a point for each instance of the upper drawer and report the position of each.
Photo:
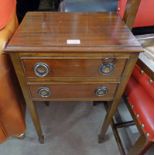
(91, 68)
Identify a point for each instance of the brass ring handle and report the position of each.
(101, 91)
(41, 69)
(107, 68)
(44, 92)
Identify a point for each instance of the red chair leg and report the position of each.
(141, 146)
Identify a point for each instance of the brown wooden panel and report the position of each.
(73, 91)
(74, 68)
(48, 31)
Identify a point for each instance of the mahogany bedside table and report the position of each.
(73, 57)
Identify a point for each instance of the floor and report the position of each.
(70, 129)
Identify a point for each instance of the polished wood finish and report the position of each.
(98, 32)
(31, 106)
(74, 91)
(89, 68)
(73, 68)
(111, 111)
(131, 12)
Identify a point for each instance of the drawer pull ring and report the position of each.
(44, 92)
(101, 91)
(106, 68)
(41, 69)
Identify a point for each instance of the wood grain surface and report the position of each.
(49, 31)
(74, 91)
(74, 68)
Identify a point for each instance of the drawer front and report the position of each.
(73, 91)
(91, 68)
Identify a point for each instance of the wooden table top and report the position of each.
(55, 31)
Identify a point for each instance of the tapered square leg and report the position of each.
(116, 100)
(41, 139)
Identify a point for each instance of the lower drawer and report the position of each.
(73, 91)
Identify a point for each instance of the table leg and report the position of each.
(119, 92)
(31, 106)
(108, 119)
(35, 118)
